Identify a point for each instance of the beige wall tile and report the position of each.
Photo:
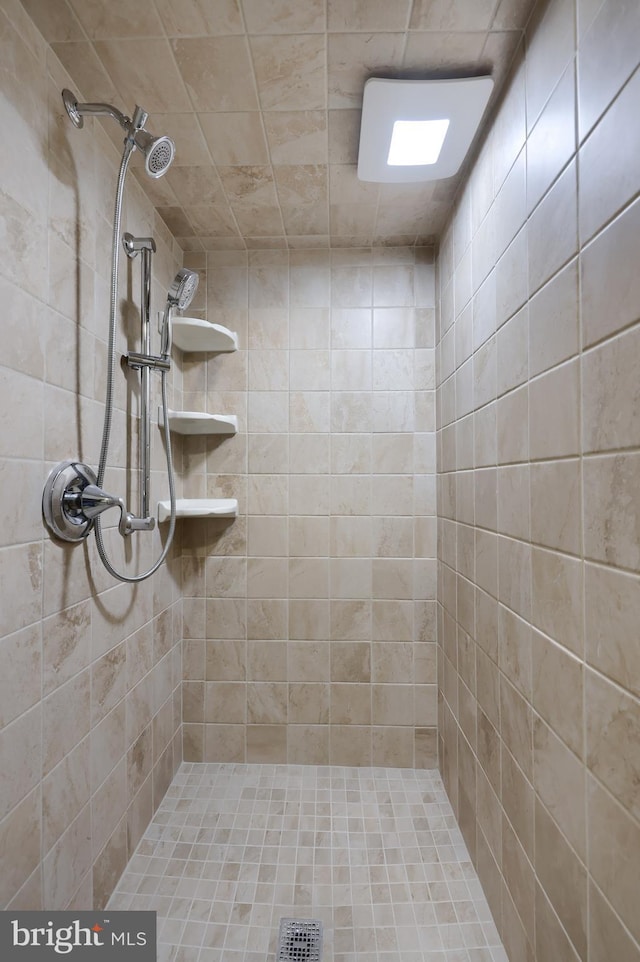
(613, 719)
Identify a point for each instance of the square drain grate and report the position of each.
(299, 940)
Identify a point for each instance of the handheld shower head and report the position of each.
(183, 288)
(158, 152)
(181, 293)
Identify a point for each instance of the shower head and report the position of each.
(158, 151)
(180, 295)
(183, 288)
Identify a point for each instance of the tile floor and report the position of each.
(375, 853)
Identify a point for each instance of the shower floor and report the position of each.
(374, 853)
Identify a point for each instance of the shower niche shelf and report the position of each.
(199, 508)
(194, 334)
(196, 422)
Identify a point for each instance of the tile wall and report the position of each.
(538, 447)
(90, 680)
(310, 620)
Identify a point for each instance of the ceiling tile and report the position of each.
(353, 57)
(368, 15)
(263, 100)
(212, 221)
(249, 186)
(290, 72)
(235, 138)
(54, 19)
(297, 136)
(198, 18)
(184, 130)
(86, 69)
(452, 14)
(117, 18)
(263, 221)
(144, 73)
(438, 50)
(284, 16)
(176, 220)
(306, 219)
(344, 136)
(301, 184)
(217, 72)
(196, 186)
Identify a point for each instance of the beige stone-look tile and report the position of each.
(558, 689)
(602, 197)
(553, 229)
(512, 347)
(66, 719)
(217, 72)
(557, 598)
(297, 136)
(350, 745)
(611, 510)
(606, 932)
(518, 799)
(290, 71)
(519, 878)
(234, 138)
(146, 71)
(513, 501)
(392, 746)
(459, 15)
(553, 321)
(552, 142)
(563, 877)
(364, 15)
(511, 283)
(560, 782)
(610, 394)
(20, 754)
(611, 619)
(308, 744)
(308, 704)
(556, 505)
(613, 720)
(283, 16)
(554, 413)
(198, 18)
(117, 21)
(510, 434)
(224, 661)
(551, 49)
(68, 861)
(514, 649)
(350, 704)
(266, 743)
(606, 59)
(552, 941)
(614, 850)
(22, 685)
(351, 57)
(517, 726)
(514, 575)
(20, 840)
(610, 286)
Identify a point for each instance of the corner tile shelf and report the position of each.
(199, 508)
(194, 334)
(196, 422)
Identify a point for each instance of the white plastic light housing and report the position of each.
(387, 102)
(416, 142)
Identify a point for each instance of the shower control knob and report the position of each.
(61, 506)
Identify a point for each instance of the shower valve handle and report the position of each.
(91, 501)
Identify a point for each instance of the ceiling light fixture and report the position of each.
(418, 130)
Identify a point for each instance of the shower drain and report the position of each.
(299, 940)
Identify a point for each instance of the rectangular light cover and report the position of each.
(393, 111)
(416, 142)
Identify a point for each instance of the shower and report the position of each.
(73, 499)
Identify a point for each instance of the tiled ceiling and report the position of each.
(263, 97)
